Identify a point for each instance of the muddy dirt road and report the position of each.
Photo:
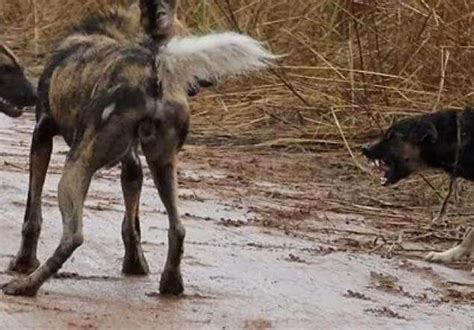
(238, 273)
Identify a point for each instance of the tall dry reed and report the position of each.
(351, 66)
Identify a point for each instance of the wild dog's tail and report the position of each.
(185, 61)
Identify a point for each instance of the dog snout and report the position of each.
(366, 149)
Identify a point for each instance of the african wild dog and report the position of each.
(442, 140)
(16, 91)
(108, 89)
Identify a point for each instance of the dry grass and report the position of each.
(351, 66)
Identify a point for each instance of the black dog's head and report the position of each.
(16, 91)
(398, 153)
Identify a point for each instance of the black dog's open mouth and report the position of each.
(385, 170)
(10, 109)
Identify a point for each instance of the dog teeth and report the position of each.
(383, 180)
(2, 100)
(377, 164)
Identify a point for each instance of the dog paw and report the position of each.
(23, 288)
(171, 283)
(135, 265)
(438, 221)
(23, 266)
(450, 255)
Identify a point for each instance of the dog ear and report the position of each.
(423, 131)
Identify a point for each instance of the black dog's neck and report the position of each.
(455, 139)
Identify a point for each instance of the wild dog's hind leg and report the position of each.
(159, 145)
(134, 262)
(25, 261)
(465, 249)
(164, 175)
(72, 190)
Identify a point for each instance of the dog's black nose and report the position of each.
(366, 149)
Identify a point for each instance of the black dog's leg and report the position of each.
(444, 206)
(465, 249)
(72, 191)
(134, 262)
(25, 261)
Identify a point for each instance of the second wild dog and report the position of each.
(16, 91)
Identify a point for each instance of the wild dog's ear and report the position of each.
(423, 131)
(172, 3)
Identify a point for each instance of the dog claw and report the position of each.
(20, 288)
(438, 221)
(450, 255)
(431, 257)
(22, 266)
(171, 283)
(136, 265)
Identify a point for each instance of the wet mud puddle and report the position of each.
(237, 274)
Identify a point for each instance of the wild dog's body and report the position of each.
(16, 90)
(106, 92)
(84, 73)
(442, 140)
(97, 67)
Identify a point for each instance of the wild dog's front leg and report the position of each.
(25, 261)
(465, 249)
(72, 190)
(134, 262)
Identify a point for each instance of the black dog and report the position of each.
(16, 91)
(443, 140)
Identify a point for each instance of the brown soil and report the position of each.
(275, 239)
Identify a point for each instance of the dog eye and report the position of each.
(6, 69)
(393, 135)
